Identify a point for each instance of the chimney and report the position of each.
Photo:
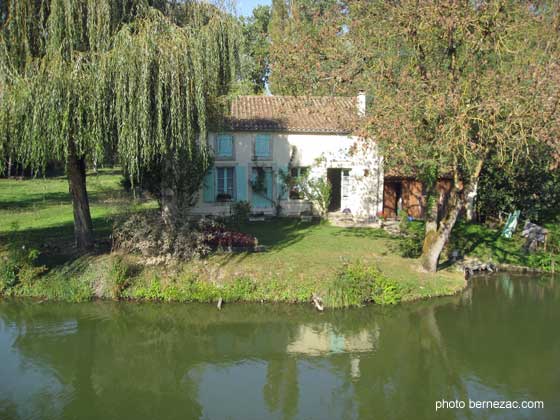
(361, 102)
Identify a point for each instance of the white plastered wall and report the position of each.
(365, 197)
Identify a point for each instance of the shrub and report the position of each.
(358, 283)
(410, 245)
(119, 275)
(318, 191)
(240, 212)
(146, 234)
(403, 221)
(18, 266)
(386, 291)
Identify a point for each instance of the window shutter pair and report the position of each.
(209, 185)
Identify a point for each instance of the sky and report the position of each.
(245, 7)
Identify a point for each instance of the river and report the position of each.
(497, 341)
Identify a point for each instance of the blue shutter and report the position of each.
(208, 187)
(241, 182)
(281, 187)
(262, 145)
(225, 146)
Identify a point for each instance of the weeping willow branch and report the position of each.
(139, 76)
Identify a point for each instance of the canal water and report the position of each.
(497, 341)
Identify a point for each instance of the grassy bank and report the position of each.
(344, 266)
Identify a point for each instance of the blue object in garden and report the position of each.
(511, 224)
(410, 218)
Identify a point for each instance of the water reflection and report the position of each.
(498, 340)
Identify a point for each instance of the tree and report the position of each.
(455, 82)
(531, 186)
(309, 52)
(255, 67)
(76, 75)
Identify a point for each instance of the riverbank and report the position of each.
(345, 267)
(301, 259)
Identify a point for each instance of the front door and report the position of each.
(261, 182)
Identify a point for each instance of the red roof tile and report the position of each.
(309, 114)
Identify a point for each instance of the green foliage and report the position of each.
(119, 276)
(358, 283)
(310, 51)
(153, 291)
(255, 61)
(240, 289)
(410, 244)
(403, 220)
(18, 265)
(318, 191)
(240, 212)
(386, 291)
(531, 185)
(68, 283)
(141, 77)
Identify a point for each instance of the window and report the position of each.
(263, 149)
(297, 175)
(345, 183)
(299, 171)
(224, 146)
(224, 184)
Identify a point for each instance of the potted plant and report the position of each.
(223, 197)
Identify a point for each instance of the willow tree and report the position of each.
(456, 82)
(76, 75)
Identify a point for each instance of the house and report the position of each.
(263, 138)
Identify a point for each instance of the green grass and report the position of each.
(301, 258)
(487, 244)
(303, 255)
(41, 211)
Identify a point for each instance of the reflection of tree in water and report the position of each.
(281, 391)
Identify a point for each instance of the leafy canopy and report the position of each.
(141, 75)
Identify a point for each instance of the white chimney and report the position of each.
(361, 101)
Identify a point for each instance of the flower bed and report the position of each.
(219, 237)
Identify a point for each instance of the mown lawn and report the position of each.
(301, 257)
(38, 212)
(304, 254)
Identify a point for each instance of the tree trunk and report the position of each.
(83, 228)
(9, 172)
(431, 209)
(436, 239)
(169, 207)
(470, 203)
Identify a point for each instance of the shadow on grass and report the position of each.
(277, 234)
(40, 201)
(56, 243)
(363, 233)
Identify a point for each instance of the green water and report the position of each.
(499, 340)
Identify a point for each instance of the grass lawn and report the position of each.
(309, 255)
(301, 258)
(38, 212)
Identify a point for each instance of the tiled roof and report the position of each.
(309, 114)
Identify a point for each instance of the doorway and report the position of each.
(392, 195)
(334, 176)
